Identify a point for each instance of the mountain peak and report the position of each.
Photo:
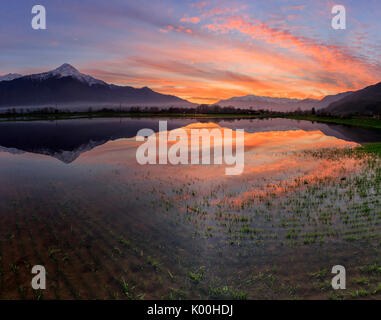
(10, 76)
(67, 70)
(67, 65)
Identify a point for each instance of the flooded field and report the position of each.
(74, 199)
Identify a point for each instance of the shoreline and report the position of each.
(356, 121)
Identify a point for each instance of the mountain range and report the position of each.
(366, 101)
(67, 87)
(281, 104)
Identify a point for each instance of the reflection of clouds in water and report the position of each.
(274, 155)
(67, 139)
(348, 133)
(270, 158)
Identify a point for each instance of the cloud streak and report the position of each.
(205, 51)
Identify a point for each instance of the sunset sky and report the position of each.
(202, 51)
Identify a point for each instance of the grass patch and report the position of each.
(225, 293)
(374, 148)
(356, 121)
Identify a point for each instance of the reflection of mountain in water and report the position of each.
(65, 156)
(360, 135)
(11, 150)
(66, 140)
(69, 156)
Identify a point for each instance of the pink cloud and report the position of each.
(199, 5)
(297, 7)
(327, 57)
(180, 29)
(280, 60)
(194, 20)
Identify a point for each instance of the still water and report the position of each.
(74, 199)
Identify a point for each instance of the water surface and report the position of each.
(66, 139)
(74, 199)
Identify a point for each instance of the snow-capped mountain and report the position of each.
(10, 76)
(252, 97)
(67, 70)
(268, 103)
(281, 104)
(65, 87)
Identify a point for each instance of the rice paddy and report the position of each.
(107, 228)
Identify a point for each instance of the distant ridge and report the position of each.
(279, 104)
(366, 101)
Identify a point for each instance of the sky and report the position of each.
(202, 51)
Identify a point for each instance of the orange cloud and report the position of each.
(212, 64)
(330, 58)
(194, 20)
